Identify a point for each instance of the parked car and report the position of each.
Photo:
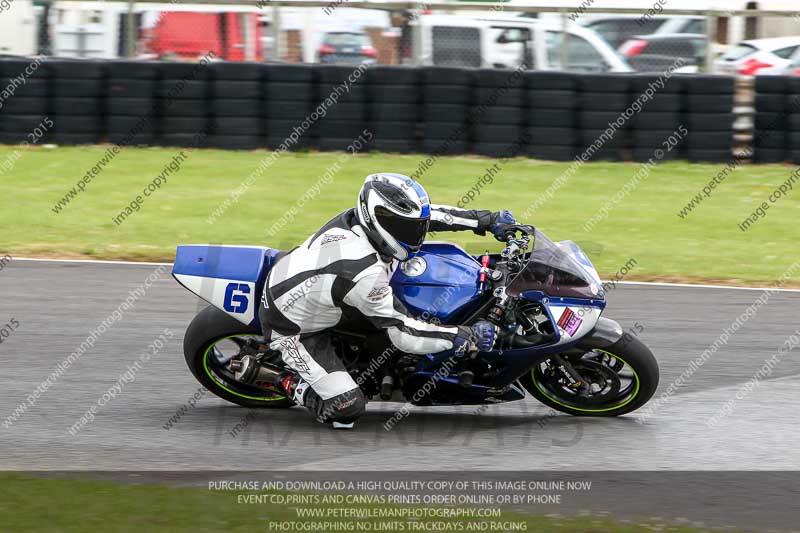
(792, 69)
(758, 56)
(657, 52)
(460, 41)
(346, 48)
(673, 25)
(618, 29)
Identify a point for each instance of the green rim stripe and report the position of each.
(629, 400)
(208, 372)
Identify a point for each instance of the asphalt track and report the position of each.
(57, 304)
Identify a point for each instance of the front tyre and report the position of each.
(212, 340)
(621, 378)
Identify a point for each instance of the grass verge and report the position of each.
(706, 245)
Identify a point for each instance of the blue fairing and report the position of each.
(244, 263)
(446, 288)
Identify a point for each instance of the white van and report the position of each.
(18, 29)
(508, 42)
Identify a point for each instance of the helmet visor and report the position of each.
(407, 230)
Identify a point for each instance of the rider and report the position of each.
(342, 272)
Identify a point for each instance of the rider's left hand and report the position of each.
(485, 334)
(500, 222)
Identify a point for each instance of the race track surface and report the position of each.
(57, 303)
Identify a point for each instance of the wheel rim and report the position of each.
(618, 383)
(217, 355)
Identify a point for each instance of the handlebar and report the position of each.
(512, 229)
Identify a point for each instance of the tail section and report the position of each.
(228, 277)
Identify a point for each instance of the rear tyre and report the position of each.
(212, 339)
(625, 376)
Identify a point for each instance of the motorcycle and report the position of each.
(546, 299)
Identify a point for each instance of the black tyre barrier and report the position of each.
(287, 109)
(222, 89)
(379, 112)
(709, 103)
(288, 91)
(236, 107)
(550, 81)
(236, 71)
(553, 99)
(432, 109)
(551, 118)
(22, 105)
(131, 88)
(604, 101)
(395, 131)
(77, 106)
(392, 146)
(182, 89)
(553, 153)
(456, 131)
(393, 75)
(75, 87)
(447, 94)
(551, 136)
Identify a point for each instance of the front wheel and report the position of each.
(620, 378)
(212, 341)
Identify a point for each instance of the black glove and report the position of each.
(501, 220)
(479, 337)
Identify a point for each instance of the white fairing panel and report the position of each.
(235, 297)
(573, 321)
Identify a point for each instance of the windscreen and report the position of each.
(554, 272)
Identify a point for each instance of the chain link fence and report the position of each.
(578, 38)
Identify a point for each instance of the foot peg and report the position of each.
(343, 425)
(387, 387)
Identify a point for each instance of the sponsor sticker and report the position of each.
(569, 322)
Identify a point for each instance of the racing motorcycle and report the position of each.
(546, 299)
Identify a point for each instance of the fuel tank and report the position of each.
(440, 281)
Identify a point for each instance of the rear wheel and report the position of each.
(621, 378)
(212, 341)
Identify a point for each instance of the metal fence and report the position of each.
(585, 36)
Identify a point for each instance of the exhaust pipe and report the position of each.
(247, 370)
